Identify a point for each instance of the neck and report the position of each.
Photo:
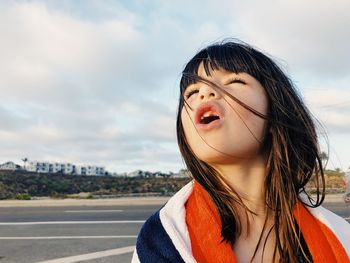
(247, 179)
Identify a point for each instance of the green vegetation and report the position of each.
(23, 185)
(23, 197)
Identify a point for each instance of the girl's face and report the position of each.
(217, 128)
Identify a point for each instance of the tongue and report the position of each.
(209, 119)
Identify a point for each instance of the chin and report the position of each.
(216, 158)
(213, 157)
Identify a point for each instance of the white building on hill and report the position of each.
(64, 168)
(136, 173)
(10, 166)
(90, 170)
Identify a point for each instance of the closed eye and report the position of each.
(236, 80)
(189, 93)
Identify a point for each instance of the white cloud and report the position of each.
(98, 82)
(331, 106)
(47, 55)
(311, 36)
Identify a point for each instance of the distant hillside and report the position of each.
(24, 185)
(19, 184)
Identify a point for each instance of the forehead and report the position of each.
(220, 74)
(207, 71)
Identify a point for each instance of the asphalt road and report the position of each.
(38, 234)
(35, 233)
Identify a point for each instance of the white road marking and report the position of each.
(70, 222)
(92, 211)
(64, 237)
(347, 218)
(84, 257)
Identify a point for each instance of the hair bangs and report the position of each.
(236, 58)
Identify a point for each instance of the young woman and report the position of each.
(251, 147)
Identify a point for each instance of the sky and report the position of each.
(97, 82)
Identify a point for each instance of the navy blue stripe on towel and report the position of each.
(153, 243)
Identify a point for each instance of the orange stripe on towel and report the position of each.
(204, 226)
(321, 241)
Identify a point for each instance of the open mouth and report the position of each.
(208, 117)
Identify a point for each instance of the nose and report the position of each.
(207, 92)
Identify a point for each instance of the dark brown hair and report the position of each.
(291, 146)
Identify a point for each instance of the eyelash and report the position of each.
(234, 80)
(190, 93)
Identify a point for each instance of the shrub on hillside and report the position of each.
(23, 196)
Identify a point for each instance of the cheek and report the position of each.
(186, 123)
(247, 125)
(190, 131)
(256, 123)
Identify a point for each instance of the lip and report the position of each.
(209, 106)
